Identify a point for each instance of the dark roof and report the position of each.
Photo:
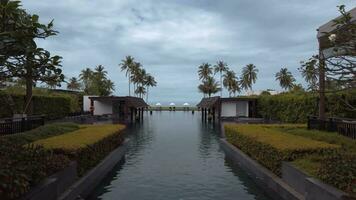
(208, 102)
(211, 101)
(135, 102)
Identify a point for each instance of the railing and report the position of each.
(345, 127)
(17, 125)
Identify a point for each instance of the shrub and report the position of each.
(22, 167)
(41, 132)
(88, 145)
(270, 146)
(296, 107)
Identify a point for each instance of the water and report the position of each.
(174, 155)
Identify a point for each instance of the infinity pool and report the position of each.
(174, 155)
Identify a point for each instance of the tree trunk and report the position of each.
(28, 105)
(321, 88)
(221, 85)
(147, 95)
(129, 84)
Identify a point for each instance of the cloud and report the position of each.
(171, 38)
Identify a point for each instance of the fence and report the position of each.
(346, 127)
(17, 125)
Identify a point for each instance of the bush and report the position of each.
(23, 167)
(41, 132)
(88, 145)
(296, 107)
(270, 147)
(339, 169)
(51, 106)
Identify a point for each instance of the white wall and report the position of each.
(228, 109)
(234, 109)
(102, 108)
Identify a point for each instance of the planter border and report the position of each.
(84, 186)
(270, 182)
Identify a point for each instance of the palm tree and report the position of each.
(127, 65)
(235, 88)
(140, 90)
(310, 72)
(205, 70)
(100, 72)
(285, 78)
(220, 67)
(209, 86)
(149, 82)
(249, 76)
(229, 80)
(135, 71)
(73, 84)
(85, 76)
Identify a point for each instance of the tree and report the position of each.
(140, 90)
(230, 82)
(73, 84)
(149, 82)
(135, 71)
(85, 76)
(220, 67)
(310, 73)
(127, 65)
(285, 78)
(249, 76)
(20, 56)
(205, 71)
(209, 86)
(96, 82)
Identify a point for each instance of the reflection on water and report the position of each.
(174, 155)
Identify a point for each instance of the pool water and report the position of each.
(175, 155)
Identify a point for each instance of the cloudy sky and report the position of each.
(171, 38)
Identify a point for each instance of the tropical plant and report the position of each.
(220, 67)
(135, 73)
(85, 76)
(20, 56)
(127, 65)
(249, 76)
(230, 82)
(310, 72)
(140, 91)
(149, 82)
(96, 82)
(205, 71)
(285, 78)
(209, 86)
(73, 84)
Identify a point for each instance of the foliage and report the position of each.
(296, 107)
(21, 58)
(73, 84)
(41, 132)
(231, 83)
(86, 135)
(270, 146)
(205, 71)
(285, 78)
(209, 86)
(220, 67)
(23, 167)
(88, 145)
(310, 72)
(249, 76)
(96, 82)
(51, 106)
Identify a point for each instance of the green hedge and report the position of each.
(24, 167)
(270, 146)
(296, 107)
(51, 106)
(41, 132)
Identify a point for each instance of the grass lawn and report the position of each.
(81, 138)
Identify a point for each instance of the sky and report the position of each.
(171, 38)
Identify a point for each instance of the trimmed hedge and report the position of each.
(41, 132)
(51, 106)
(23, 167)
(296, 107)
(270, 147)
(88, 145)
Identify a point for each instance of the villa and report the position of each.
(125, 108)
(229, 108)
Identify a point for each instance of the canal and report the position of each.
(174, 155)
